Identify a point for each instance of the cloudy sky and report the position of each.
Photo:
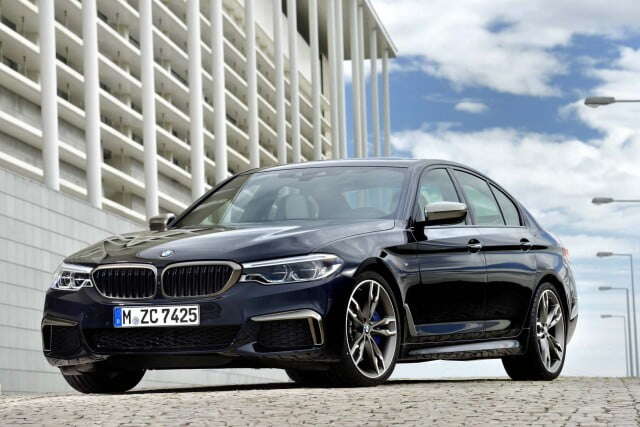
(499, 85)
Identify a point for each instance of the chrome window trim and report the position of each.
(233, 279)
(127, 265)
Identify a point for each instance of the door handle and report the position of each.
(525, 244)
(474, 245)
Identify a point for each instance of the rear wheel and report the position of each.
(545, 354)
(105, 381)
(371, 342)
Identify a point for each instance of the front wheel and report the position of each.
(545, 354)
(104, 382)
(370, 342)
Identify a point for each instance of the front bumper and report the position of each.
(250, 325)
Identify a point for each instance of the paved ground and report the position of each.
(568, 401)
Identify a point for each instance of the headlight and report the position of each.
(71, 277)
(291, 270)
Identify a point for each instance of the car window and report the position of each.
(435, 186)
(303, 195)
(480, 199)
(509, 209)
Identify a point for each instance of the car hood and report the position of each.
(239, 244)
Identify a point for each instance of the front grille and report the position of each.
(285, 334)
(61, 340)
(194, 280)
(200, 338)
(125, 282)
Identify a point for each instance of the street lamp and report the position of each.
(599, 101)
(626, 343)
(633, 303)
(607, 200)
(628, 317)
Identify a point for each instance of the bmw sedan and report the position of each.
(334, 271)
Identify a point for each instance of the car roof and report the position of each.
(376, 162)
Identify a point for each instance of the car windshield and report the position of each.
(301, 195)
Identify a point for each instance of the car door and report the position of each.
(506, 245)
(448, 303)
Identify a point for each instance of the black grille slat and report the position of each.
(195, 280)
(125, 282)
(161, 339)
(285, 334)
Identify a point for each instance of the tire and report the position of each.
(105, 382)
(308, 378)
(537, 364)
(374, 367)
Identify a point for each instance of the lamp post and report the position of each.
(626, 342)
(599, 101)
(628, 317)
(633, 303)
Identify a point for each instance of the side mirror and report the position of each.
(443, 213)
(161, 222)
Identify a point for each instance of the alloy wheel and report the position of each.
(550, 330)
(371, 327)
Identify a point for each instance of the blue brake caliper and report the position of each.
(375, 318)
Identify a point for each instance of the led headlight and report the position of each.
(291, 270)
(71, 277)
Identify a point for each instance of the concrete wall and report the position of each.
(38, 228)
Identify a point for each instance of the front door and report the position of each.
(448, 303)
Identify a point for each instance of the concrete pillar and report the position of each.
(333, 73)
(281, 115)
(252, 83)
(375, 109)
(342, 107)
(196, 127)
(386, 101)
(92, 102)
(363, 87)
(219, 100)
(355, 77)
(49, 95)
(294, 81)
(148, 109)
(316, 84)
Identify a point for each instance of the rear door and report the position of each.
(507, 247)
(449, 300)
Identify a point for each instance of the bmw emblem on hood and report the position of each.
(167, 253)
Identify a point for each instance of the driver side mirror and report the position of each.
(445, 213)
(161, 222)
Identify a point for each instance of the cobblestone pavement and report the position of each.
(568, 401)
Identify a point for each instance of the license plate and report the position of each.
(172, 315)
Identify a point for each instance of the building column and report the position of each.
(385, 102)
(281, 114)
(355, 77)
(148, 109)
(252, 83)
(294, 80)
(363, 87)
(92, 102)
(333, 73)
(219, 99)
(375, 108)
(316, 85)
(196, 127)
(342, 113)
(49, 95)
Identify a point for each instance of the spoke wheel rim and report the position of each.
(372, 329)
(550, 330)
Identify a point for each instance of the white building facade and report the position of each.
(115, 110)
(140, 106)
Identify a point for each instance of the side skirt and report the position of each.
(468, 351)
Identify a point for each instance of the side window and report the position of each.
(480, 199)
(509, 210)
(435, 186)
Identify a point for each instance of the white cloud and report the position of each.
(473, 107)
(458, 40)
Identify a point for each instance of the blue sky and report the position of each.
(499, 85)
